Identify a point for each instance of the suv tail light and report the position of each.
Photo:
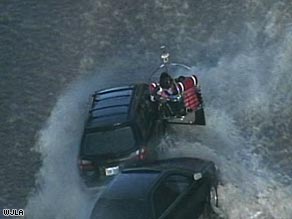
(86, 164)
(142, 153)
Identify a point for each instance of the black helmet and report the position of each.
(165, 80)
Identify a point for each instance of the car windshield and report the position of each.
(115, 141)
(120, 209)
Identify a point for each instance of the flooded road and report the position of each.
(54, 55)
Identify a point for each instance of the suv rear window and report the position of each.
(115, 141)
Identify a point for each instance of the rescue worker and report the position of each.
(165, 88)
(185, 86)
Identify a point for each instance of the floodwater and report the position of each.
(55, 54)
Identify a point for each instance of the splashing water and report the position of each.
(242, 94)
(60, 193)
(248, 189)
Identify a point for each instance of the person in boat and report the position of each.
(168, 89)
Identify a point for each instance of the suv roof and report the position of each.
(111, 107)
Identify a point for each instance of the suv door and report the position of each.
(169, 194)
(141, 122)
(145, 117)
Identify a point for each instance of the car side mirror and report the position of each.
(197, 176)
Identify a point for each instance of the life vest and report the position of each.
(190, 92)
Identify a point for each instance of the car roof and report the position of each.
(112, 106)
(132, 185)
(127, 196)
(121, 209)
(136, 182)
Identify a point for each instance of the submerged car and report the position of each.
(177, 188)
(121, 124)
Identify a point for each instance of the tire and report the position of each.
(211, 205)
(213, 198)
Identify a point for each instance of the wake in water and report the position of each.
(60, 193)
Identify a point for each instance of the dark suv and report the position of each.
(120, 125)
